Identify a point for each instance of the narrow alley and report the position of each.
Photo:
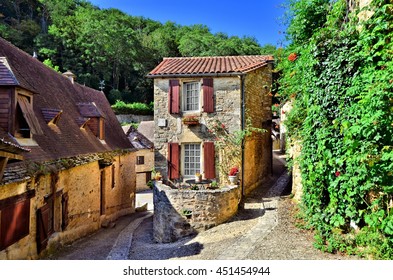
(263, 228)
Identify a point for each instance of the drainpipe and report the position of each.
(243, 125)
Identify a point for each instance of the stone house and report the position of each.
(67, 166)
(144, 162)
(230, 89)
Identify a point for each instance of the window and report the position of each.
(25, 119)
(140, 160)
(191, 96)
(192, 159)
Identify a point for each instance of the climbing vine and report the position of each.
(339, 80)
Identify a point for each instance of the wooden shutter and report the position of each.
(29, 115)
(43, 226)
(173, 160)
(208, 95)
(64, 211)
(14, 223)
(174, 97)
(209, 160)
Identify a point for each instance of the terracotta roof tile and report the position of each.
(218, 65)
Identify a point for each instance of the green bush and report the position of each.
(122, 108)
(340, 83)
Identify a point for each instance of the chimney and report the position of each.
(69, 75)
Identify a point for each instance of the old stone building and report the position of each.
(233, 90)
(68, 166)
(144, 162)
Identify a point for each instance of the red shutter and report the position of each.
(174, 97)
(173, 160)
(209, 160)
(208, 93)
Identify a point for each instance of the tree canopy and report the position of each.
(107, 48)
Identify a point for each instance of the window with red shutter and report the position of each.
(208, 95)
(173, 160)
(174, 97)
(209, 160)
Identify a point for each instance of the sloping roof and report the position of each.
(7, 144)
(138, 140)
(146, 128)
(212, 65)
(53, 90)
(7, 78)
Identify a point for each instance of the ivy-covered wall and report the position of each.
(338, 73)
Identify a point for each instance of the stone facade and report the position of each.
(143, 171)
(179, 213)
(227, 104)
(258, 147)
(96, 195)
(228, 91)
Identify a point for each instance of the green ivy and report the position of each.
(339, 79)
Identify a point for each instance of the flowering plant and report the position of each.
(234, 170)
(292, 57)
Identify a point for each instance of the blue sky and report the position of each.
(256, 18)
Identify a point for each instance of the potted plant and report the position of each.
(198, 177)
(232, 176)
(191, 120)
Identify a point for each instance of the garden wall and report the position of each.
(208, 208)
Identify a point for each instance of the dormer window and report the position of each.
(94, 118)
(26, 122)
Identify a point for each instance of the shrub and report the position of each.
(122, 108)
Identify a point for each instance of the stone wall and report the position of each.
(208, 208)
(141, 169)
(96, 195)
(258, 147)
(134, 118)
(227, 96)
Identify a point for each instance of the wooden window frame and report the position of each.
(187, 171)
(195, 94)
(140, 160)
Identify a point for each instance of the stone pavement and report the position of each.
(115, 243)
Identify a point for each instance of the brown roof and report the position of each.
(54, 94)
(7, 78)
(138, 140)
(217, 65)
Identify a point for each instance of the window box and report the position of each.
(191, 120)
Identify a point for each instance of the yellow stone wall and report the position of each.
(141, 169)
(83, 185)
(258, 147)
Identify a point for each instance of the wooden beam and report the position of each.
(11, 155)
(3, 164)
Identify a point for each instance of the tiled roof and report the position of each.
(212, 65)
(7, 78)
(146, 128)
(138, 140)
(55, 93)
(8, 144)
(89, 110)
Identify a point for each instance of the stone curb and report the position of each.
(123, 242)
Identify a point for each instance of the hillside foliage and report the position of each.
(107, 48)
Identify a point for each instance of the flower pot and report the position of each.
(233, 179)
(198, 178)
